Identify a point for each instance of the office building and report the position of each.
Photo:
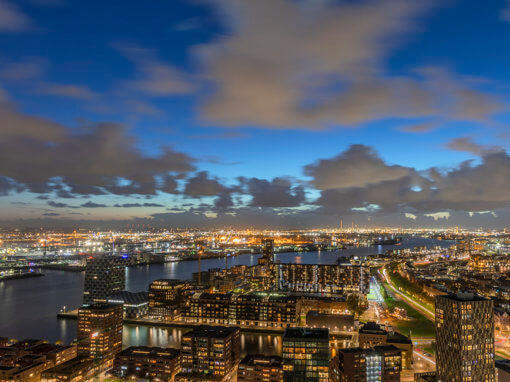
(306, 355)
(209, 353)
(377, 364)
(464, 338)
(149, 363)
(100, 332)
(165, 297)
(260, 368)
(326, 279)
(104, 276)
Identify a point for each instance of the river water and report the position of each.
(28, 307)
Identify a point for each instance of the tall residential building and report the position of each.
(328, 279)
(104, 276)
(306, 355)
(260, 368)
(100, 332)
(377, 364)
(464, 338)
(209, 353)
(267, 252)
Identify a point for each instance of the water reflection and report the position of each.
(251, 343)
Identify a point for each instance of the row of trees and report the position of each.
(409, 286)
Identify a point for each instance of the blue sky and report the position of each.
(251, 92)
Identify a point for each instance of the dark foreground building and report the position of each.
(209, 353)
(377, 364)
(142, 362)
(260, 368)
(306, 355)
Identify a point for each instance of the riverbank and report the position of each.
(24, 275)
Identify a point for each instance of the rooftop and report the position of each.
(72, 366)
(352, 350)
(503, 364)
(399, 338)
(129, 298)
(306, 333)
(262, 360)
(153, 352)
(372, 328)
(212, 331)
(463, 296)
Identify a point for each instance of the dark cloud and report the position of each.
(202, 185)
(68, 91)
(466, 144)
(358, 166)
(8, 185)
(57, 204)
(93, 205)
(424, 127)
(223, 202)
(279, 192)
(287, 64)
(91, 160)
(11, 18)
(470, 188)
(134, 205)
(50, 214)
(27, 69)
(154, 78)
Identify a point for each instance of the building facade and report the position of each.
(306, 355)
(260, 368)
(210, 353)
(165, 295)
(150, 363)
(377, 364)
(100, 332)
(464, 338)
(104, 276)
(253, 309)
(372, 334)
(327, 279)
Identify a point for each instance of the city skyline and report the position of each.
(274, 113)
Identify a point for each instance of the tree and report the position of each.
(355, 306)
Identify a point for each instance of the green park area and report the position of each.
(417, 325)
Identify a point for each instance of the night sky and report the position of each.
(254, 113)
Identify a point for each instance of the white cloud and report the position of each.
(439, 215)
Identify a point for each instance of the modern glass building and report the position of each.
(104, 276)
(306, 355)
